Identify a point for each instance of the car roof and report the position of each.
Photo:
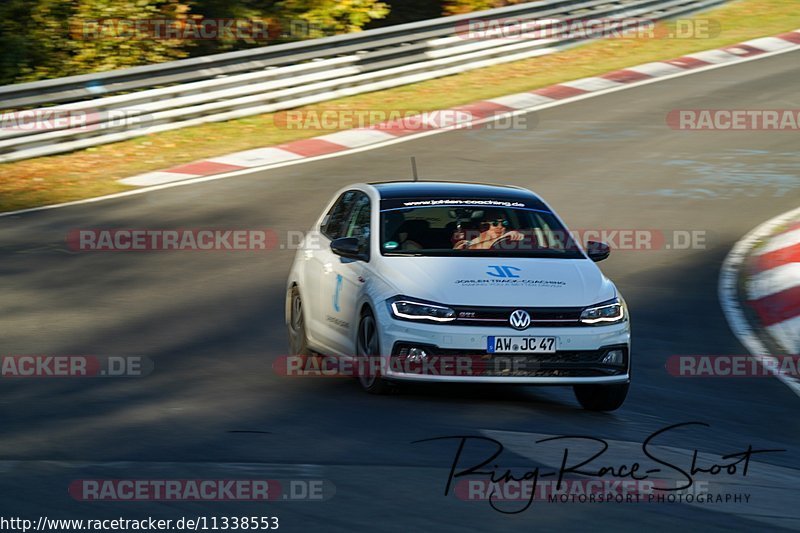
(428, 189)
(396, 190)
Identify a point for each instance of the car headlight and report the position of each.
(609, 312)
(410, 309)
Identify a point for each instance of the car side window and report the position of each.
(359, 224)
(334, 225)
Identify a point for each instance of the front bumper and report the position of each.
(459, 354)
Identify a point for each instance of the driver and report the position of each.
(493, 229)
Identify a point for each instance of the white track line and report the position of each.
(729, 300)
(397, 140)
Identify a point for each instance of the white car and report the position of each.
(458, 282)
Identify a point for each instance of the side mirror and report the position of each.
(347, 247)
(597, 251)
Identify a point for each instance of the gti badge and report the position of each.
(519, 319)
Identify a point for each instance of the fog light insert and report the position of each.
(614, 357)
(416, 355)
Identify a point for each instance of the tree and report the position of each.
(59, 38)
(456, 7)
(328, 17)
(54, 38)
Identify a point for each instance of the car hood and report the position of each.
(506, 282)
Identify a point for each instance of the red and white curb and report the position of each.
(773, 286)
(477, 113)
(769, 260)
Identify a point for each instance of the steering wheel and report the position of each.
(501, 241)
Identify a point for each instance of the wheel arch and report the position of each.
(365, 306)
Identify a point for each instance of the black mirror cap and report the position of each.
(347, 247)
(597, 251)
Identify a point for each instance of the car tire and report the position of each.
(298, 342)
(601, 397)
(367, 346)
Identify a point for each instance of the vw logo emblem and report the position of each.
(519, 319)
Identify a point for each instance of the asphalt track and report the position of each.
(213, 325)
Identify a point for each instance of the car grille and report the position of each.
(498, 316)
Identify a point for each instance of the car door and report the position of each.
(355, 273)
(350, 279)
(320, 280)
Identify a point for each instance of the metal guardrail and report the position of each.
(123, 104)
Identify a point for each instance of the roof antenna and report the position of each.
(414, 168)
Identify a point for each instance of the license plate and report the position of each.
(521, 345)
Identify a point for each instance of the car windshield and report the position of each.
(472, 227)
